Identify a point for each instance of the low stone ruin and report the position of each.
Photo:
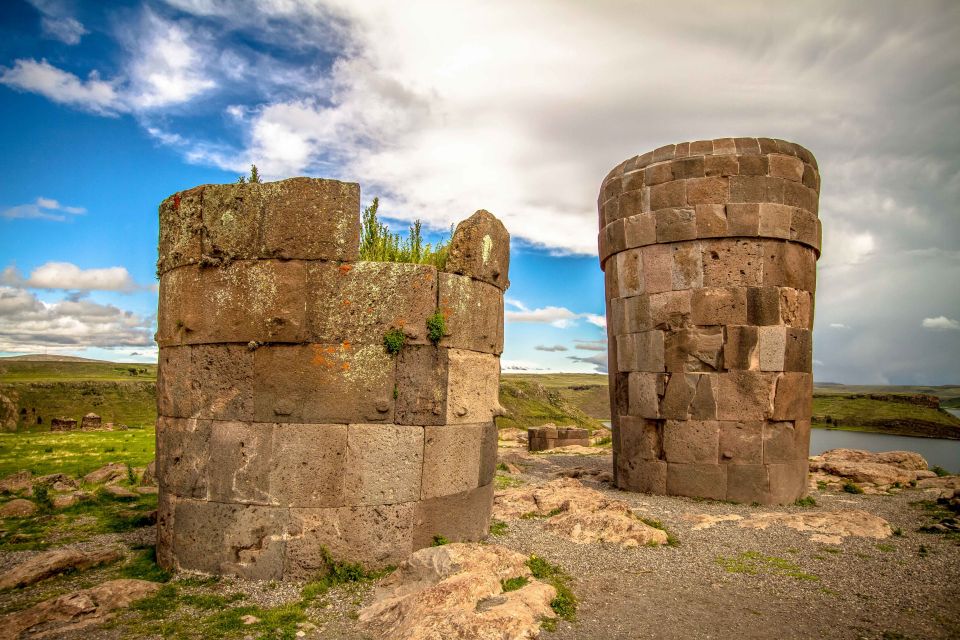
(709, 249)
(90, 422)
(286, 429)
(63, 424)
(551, 437)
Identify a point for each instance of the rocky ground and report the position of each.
(882, 564)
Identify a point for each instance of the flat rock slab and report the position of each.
(828, 527)
(74, 611)
(50, 563)
(455, 592)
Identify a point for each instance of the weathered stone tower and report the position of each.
(709, 250)
(286, 429)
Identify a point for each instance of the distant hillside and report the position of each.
(43, 357)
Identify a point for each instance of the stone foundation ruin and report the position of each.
(287, 431)
(709, 251)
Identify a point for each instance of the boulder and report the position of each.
(17, 482)
(107, 474)
(18, 508)
(75, 611)
(50, 563)
(455, 591)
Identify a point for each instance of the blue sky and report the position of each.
(444, 108)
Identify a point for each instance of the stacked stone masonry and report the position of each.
(550, 437)
(285, 427)
(709, 250)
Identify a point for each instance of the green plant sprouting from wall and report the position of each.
(379, 244)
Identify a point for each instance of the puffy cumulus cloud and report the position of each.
(92, 94)
(43, 208)
(57, 23)
(30, 324)
(941, 323)
(68, 276)
(550, 348)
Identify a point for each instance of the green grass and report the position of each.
(74, 453)
(755, 563)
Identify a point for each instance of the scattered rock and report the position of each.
(18, 508)
(50, 563)
(454, 592)
(872, 472)
(74, 611)
(107, 474)
(117, 491)
(16, 482)
(580, 514)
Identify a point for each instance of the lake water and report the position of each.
(937, 451)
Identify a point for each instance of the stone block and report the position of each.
(793, 399)
(780, 443)
(694, 349)
(644, 391)
(480, 248)
(240, 462)
(640, 351)
(697, 480)
(359, 303)
(756, 189)
(646, 476)
(691, 441)
(712, 190)
(474, 314)
(309, 465)
(181, 223)
(668, 195)
(786, 264)
(775, 220)
(740, 348)
(715, 305)
(222, 375)
(748, 483)
(675, 225)
(772, 347)
(248, 541)
(744, 395)
(324, 383)
(380, 464)
(640, 230)
(788, 481)
(657, 268)
(374, 536)
(639, 438)
(711, 220)
(183, 456)
(177, 394)
(451, 459)
(721, 166)
(462, 517)
(743, 219)
(669, 310)
(741, 443)
(788, 167)
(310, 219)
(687, 269)
(688, 167)
(629, 270)
(729, 262)
(753, 165)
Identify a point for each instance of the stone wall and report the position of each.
(709, 250)
(286, 428)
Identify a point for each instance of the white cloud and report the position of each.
(43, 208)
(41, 77)
(29, 324)
(70, 277)
(941, 323)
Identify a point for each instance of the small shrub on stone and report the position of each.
(393, 341)
(436, 327)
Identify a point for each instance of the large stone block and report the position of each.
(451, 458)
(480, 248)
(474, 314)
(461, 517)
(317, 383)
(359, 303)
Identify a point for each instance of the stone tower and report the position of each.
(709, 250)
(287, 432)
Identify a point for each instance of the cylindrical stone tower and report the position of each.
(709, 250)
(286, 429)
